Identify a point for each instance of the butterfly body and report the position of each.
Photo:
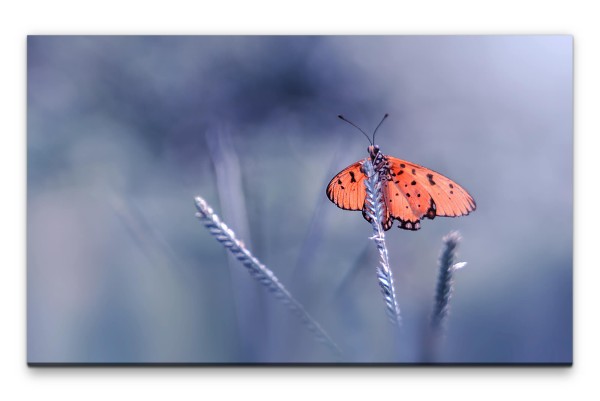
(410, 192)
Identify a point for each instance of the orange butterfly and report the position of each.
(409, 191)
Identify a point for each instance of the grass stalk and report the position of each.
(443, 294)
(260, 272)
(444, 288)
(375, 210)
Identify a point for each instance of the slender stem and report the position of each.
(443, 293)
(444, 287)
(260, 272)
(374, 210)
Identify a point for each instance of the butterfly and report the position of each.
(410, 192)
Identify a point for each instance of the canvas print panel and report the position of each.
(141, 148)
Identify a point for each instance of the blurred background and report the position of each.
(123, 132)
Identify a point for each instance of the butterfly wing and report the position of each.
(410, 192)
(415, 192)
(347, 188)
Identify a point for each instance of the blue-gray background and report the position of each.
(123, 132)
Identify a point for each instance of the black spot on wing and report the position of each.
(431, 211)
(352, 179)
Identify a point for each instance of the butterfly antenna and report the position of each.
(381, 122)
(341, 117)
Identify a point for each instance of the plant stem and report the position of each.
(443, 293)
(375, 210)
(260, 272)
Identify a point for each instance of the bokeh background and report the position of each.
(123, 132)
